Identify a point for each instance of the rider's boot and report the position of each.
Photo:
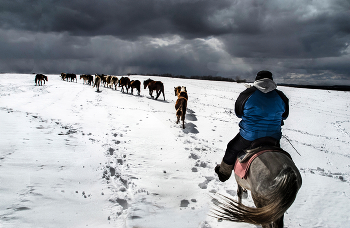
(224, 171)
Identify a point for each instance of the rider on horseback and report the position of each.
(262, 109)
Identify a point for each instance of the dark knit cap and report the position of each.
(263, 74)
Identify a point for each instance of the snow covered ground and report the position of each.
(72, 157)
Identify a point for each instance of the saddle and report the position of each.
(258, 146)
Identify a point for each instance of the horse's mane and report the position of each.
(182, 94)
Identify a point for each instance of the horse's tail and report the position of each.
(179, 111)
(281, 198)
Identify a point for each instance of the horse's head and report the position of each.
(45, 77)
(145, 83)
(177, 90)
(120, 81)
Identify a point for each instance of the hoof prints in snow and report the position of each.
(322, 172)
(184, 203)
(204, 185)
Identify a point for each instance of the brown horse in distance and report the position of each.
(97, 83)
(154, 85)
(69, 77)
(85, 78)
(39, 78)
(181, 104)
(124, 82)
(114, 82)
(135, 84)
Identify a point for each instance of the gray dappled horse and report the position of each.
(274, 181)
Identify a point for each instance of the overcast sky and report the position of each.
(299, 41)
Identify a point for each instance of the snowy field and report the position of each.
(72, 157)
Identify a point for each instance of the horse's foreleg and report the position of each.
(150, 93)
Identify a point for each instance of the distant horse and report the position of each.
(154, 85)
(181, 104)
(103, 79)
(69, 77)
(97, 83)
(274, 182)
(39, 78)
(90, 79)
(72, 77)
(114, 82)
(85, 78)
(135, 84)
(108, 80)
(124, 82)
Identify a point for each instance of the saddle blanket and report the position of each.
(241, 169)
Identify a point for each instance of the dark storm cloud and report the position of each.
(296, 40)
(57, 53)
(127, 19)
(288, 31)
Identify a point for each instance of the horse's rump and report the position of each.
(114, 81)
(135, 84)
(97, 82)
(124, 81)
(274, 181)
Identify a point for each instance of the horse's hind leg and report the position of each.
(239, 193)
(183, 120)
(279, 223)
(158, 93)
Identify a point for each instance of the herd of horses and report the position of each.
(125, 83)
(272, 177)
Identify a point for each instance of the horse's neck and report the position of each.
(182, 95)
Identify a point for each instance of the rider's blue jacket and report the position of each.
(262, 108)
